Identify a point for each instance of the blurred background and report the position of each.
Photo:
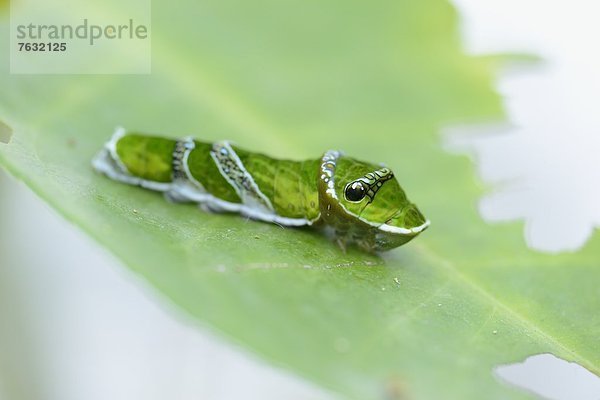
(89, 329)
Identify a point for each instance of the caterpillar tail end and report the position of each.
(106, 161)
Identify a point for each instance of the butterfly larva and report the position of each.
(358, 202)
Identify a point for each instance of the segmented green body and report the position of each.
(357, 202)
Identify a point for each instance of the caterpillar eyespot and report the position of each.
(355, 192)
(360, 202)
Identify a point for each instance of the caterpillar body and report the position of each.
(358, 202)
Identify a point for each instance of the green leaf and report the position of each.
(378, 79)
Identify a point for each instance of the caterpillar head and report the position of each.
(365, 204)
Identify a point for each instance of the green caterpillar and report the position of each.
(357, 202)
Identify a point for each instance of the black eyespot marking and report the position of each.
(367, 186)
(355, 191)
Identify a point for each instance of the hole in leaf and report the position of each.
(547, 181)
(552, 378)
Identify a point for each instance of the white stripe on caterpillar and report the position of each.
(232, 169)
